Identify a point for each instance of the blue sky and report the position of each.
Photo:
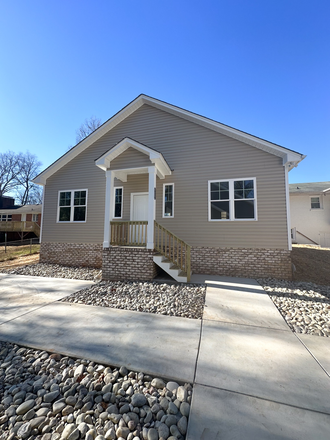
(259, 66)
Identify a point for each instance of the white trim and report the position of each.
(151, 207)
(72, 191)
(109, 183)
(320, 202)
(42, 213)
(156, 158)
(163, 204)
(288, 156)
(231, 200)
(287, 202)
(131, 202)
(6, 216)
(114, 202)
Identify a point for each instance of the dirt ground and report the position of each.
(20, 261)
(312, 263)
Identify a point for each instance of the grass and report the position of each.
(14, 252)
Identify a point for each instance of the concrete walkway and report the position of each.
(253, 378)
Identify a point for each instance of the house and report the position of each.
(20, 222)
(159, 186)
(7, 202)
(310, 213)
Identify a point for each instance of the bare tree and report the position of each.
(10, 168)
(27, 191)
(87, 128)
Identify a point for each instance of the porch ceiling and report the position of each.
(104, 162)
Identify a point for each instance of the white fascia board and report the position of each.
(93, 137)
(104, 162)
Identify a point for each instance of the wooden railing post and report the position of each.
(188, 267)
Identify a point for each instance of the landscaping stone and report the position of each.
(304, 306)
(62, 398)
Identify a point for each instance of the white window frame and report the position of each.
(35, 217)
(168, 216)
(114, 201)
(72, 191)
(7, 217)
(232, 200)
(320, 202)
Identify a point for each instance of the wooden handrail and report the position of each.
(173, 248)
(298, 232)
(128, 233)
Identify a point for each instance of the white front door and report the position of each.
(139, 206)
(139, 212)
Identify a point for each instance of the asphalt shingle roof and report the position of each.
(311, 187)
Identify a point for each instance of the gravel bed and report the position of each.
(56, 271)
(184, 300)
(47, 396)
(304, 306)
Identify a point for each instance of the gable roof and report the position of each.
(290, 157)
(310, 187)
(25, 209)
(162, 167)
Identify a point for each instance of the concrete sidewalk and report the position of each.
(253, 378)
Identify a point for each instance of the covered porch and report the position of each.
(136, 226)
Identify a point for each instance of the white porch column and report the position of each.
(108, 206)
(151, 207)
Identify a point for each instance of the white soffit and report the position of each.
(288, 156)
(162, 168)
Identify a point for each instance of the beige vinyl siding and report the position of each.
(131, 158)
(196, 154)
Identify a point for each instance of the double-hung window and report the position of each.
(118, 205)
(5, 217)
(34, 217)
(72, 206)
(168, 200)
(315, 203)
(232, 199)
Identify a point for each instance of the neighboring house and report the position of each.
(157, 179)
(20, 222)
(7, 202)
(310, 213)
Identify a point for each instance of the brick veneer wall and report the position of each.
(251, 263)
(72, 254)
(128, 263)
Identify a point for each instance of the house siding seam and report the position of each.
(250, 263)
(72, 254)
(128, 263)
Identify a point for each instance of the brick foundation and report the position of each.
(128, 263)
(250, 263)
(72, 254)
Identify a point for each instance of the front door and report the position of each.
(139, 212)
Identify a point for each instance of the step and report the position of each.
(173, 270)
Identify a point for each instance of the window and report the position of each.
(34, 217)
(232, 199)
(72, 206)
(168, 200)
(315, 203)
(118, 205)
(5, 217)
